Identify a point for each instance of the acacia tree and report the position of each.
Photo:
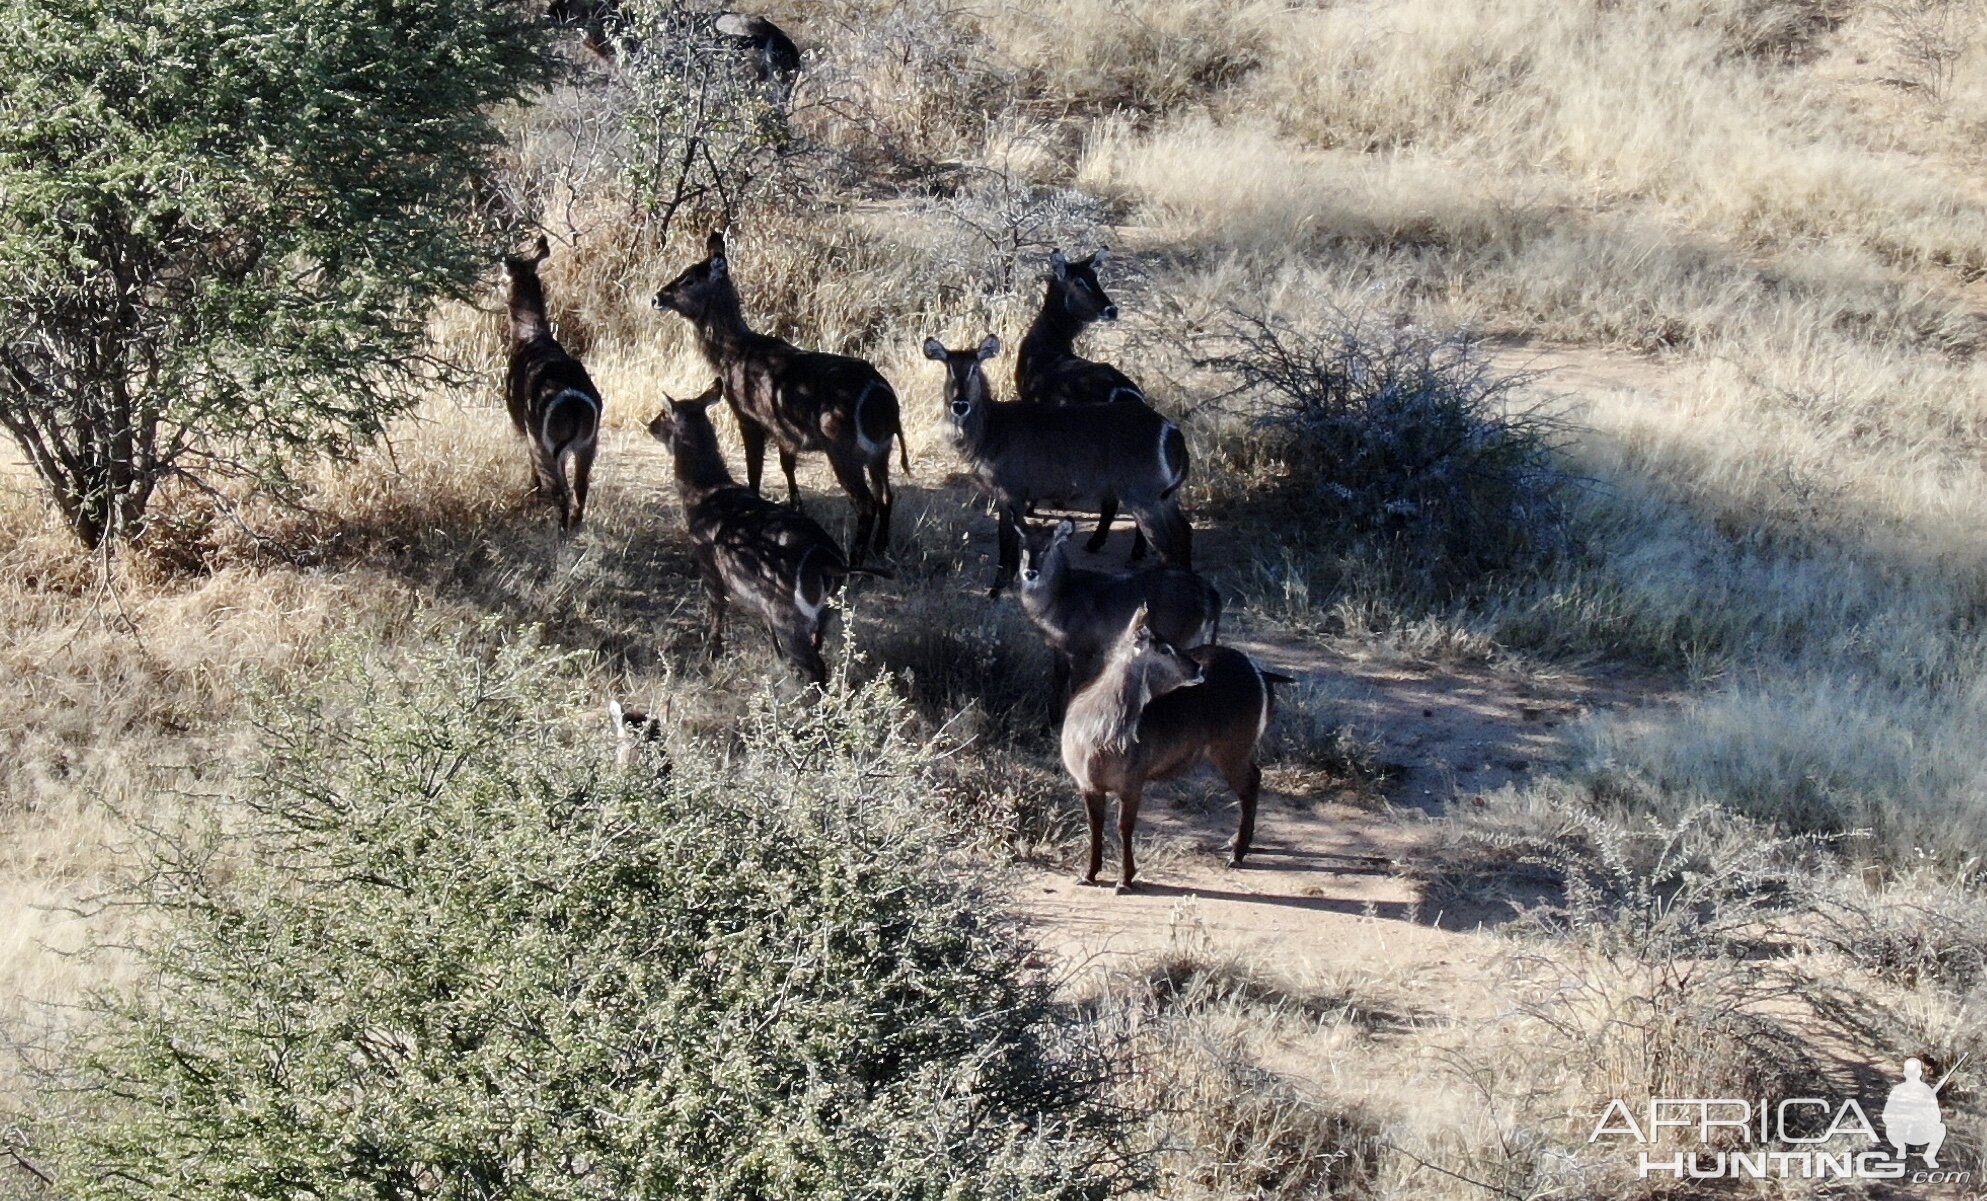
(222, 222)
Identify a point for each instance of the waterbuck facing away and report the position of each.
(803, 400)
(768, 559)
(1080, 455)
(1082, 614)
(1047, 369)
(552, 401)
(1155, 711)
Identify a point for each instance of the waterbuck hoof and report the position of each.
(1124, 886)
(1235, 860)
(1086, 881)
(1096, 543)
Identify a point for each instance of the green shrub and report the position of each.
(222, 225)
(452, 951)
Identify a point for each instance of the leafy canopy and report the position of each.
(221, 222)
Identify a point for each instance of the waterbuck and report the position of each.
(552, 400)
(1154, 711)
(802, 399)
(1081, 614)
(1047, 369)
(1078, 455)
(608, 30)
(634, 730)
(770, 560)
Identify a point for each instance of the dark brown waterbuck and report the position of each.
(1077, 455)
(1154, 711)
(1047, 369)
(608, 30)
(770, 560)
(803, 400)
(552, 400)
(1082, 614)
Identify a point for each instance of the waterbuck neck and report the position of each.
(700, 467)
(527, 308)
(1109, 710)
(721, 328)
(1055, 328)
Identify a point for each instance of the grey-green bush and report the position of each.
(452, 951)
(1401, 441)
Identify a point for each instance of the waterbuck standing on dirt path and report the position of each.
(802, 399)
(1155, 711)
(552, 400)
(1082, 614)
(768, 559)
(1068, 454)
(1047, 369)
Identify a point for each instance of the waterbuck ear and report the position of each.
(1139, 630)
(715, 392)
(1058, 265)
(714, 245)
(541, 250)
(1065, 529)
(989, 347)
(1098, 256)
(719, 267)
(935, 350)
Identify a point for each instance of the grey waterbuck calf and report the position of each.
(1155, 711)
(1082, 614)
(770, 560)
(1047, 369)
(552, 400)
(1072, 454)
(803, 400)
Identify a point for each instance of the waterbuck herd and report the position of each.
(1143, 689)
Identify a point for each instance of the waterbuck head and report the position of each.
(1075, 284)
(1044, 553)
(525, 293)
(692, 292)
(1152, 661)
(633, 729)
(684, 426)
(966, 389)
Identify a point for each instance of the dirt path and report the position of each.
(1332, 881)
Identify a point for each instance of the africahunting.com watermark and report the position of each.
(1795, 1138)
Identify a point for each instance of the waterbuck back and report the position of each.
(1077, 455)
(552, 400)
(1154, 711)
(803, 400)
(1082, 614)
(769, 560)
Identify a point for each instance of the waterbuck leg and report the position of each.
(788, 461)
(849, 475)
(1010, 549)
(1246, 779)
(1170, 533)
(1106, 514)
(1059, 684)
(1127, 824)
(582, 475)
(554, 472)
(797, 646)
(753, 436)
(879, 487)
(1093, 809)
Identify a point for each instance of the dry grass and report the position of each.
(1741, 240)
